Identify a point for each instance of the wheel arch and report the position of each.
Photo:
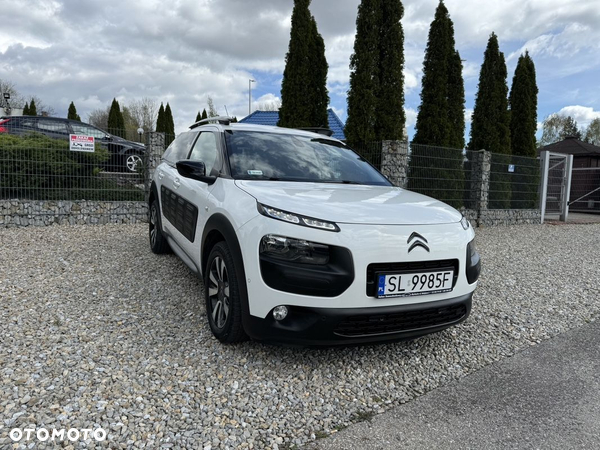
(218, 228)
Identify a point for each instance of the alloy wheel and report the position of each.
(218, 292)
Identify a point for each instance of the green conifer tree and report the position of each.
(364, 75)
(490, 123)
(440, 120)
(160, 119)
(72, 113)
(198, 117)
(304, 96)
(204, 114)
(116, 122)
(32, 108)
(523, 126)
(375, 98)
(169, 125)
(389, 113)
(26, 109)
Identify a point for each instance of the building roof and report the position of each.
(572, 146)
(272, 117)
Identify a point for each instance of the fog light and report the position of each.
(280, 312)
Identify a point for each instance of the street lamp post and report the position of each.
(250, 81)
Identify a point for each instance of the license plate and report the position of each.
(409, 284)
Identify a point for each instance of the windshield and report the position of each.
(257, 155)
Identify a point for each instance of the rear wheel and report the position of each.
(221, 291)
(158, 241)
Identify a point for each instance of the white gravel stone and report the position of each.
(99, 332)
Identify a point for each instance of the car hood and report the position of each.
(357, 204)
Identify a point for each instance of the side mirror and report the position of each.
(108, 137)
(196, 170)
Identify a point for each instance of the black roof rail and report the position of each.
(223, 120)
(318, 130)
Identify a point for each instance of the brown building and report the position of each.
(585, 183)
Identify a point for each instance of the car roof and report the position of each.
(236, 126)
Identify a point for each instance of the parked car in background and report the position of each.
(300, 240)
(125, 155)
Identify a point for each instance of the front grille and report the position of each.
(414, 266)
(403, 321)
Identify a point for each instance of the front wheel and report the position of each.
(222, 295)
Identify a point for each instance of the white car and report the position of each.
(299, 240)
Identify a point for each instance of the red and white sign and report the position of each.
(80, 143)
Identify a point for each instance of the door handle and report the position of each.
(176, 183)
(161, 174)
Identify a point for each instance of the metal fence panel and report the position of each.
(42, 165)
(585, 190)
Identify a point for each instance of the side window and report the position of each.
(206, 150)
(53, 125)
(87, 130)
(180, 147)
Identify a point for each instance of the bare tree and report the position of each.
(212, 111)
(99, 118)
(144, 113)
(16, 99)
(273, 105)
(42, 108)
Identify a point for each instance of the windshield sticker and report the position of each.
(255, 172)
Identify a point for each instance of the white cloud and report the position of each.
(583, 115)
(468, 115)
(411, 117)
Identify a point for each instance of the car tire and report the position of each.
(222, 295)
(133, 162)
(158, 241)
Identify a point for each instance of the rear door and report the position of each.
(174, 211)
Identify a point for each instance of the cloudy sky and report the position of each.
(183, 51)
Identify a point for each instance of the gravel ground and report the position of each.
(99, 332)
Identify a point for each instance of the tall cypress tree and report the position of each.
(204, 114)
(169, 125)
(304, 95)
(320, 95)
(116, 122)
(490, 128)
(198, 117)
(364, 75)
(26, 109)
(440, 120)
(523, 126)
(72, 113)
(456, 103)
(160, 119)
(375, 98)
(490, 123)
(389, 112)
(32, 108)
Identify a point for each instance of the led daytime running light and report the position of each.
(297, 219)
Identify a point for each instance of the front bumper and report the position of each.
(313, 326)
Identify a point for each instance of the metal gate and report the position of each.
(585, 190)
(556, 184)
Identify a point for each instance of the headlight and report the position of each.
(294, 250)
(465, 223)
(471, 248)
(296, 218)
